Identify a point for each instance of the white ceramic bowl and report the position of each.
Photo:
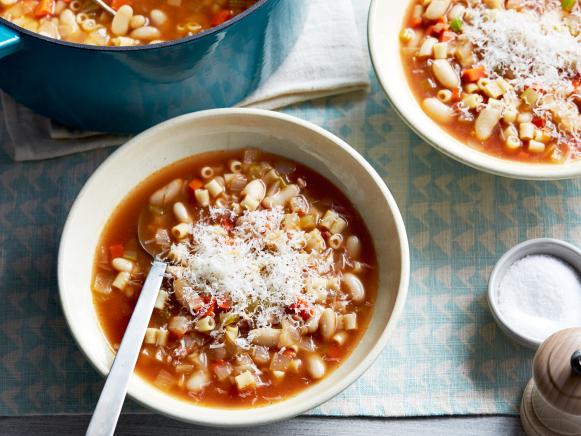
(386, 18)
(230, 129)
(548, 246)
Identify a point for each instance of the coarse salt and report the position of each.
(540, 295)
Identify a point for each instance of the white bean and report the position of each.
(122, 264)
(68, 23)
(166, 194)
(437, 9)
(146, 33)
(486, 122)
(353, 246)
(328, 323)
(266, 336)
(446, 74)
(158, 17)
(437, 110)
(181, 213)
(315, 366)
(137, 21)
(354, 287)
(120, 23)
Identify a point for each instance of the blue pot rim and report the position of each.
(259, 4)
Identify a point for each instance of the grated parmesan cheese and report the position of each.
(257, 265)
(534, 46)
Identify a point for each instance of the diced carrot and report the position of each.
(44, 8)
(456, 94)
(220, 17)
(116, 250)
(474, 74)
(415, 21)
(195, 184)
(446, 36)
(116, 4)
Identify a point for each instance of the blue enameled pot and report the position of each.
(127, 89)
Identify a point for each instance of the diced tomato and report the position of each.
(303, 309)
(474, 74)
(227, 223)
(223, 303)
(220, 17)
(116, 4)
(209, 308)
(116, 250)
(195, 184)
(44, 8)
(539, 122)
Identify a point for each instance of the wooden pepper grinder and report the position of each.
(551, 403)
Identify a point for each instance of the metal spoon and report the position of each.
(108, 408)
(105, 6)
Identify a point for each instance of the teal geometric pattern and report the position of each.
(447, 355)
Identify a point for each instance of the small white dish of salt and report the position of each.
(535, 290)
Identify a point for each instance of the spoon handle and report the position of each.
(108, 408)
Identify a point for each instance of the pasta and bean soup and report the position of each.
(136, 22)
(503, 76)
(271, 280)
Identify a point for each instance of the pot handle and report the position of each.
(9, 41)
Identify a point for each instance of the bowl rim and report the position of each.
(516, 253)
(145, 47)
(452, 147)
(314, 400)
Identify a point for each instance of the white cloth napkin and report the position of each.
(327, 59)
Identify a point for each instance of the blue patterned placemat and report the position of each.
(447, 356)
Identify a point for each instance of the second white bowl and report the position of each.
(385, 22)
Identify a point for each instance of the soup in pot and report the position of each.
(136, 22)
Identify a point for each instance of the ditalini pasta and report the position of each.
(504, 76)
(271, 279)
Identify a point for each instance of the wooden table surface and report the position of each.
(149, 424)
